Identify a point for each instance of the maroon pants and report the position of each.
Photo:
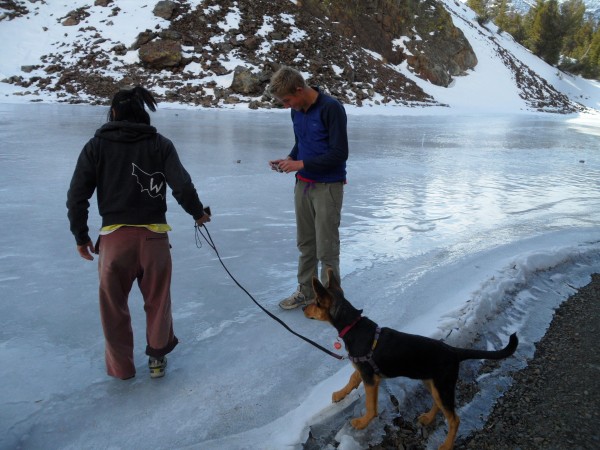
(126, 255)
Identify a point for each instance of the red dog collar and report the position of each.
(349, 327)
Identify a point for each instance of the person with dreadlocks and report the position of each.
(130, 164)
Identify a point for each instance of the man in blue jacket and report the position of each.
(319, 160)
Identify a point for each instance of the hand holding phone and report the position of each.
(275, 166)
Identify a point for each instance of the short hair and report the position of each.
(285, 81)
(128, 104)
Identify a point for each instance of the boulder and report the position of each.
(171, 34)
(245, 82)
(75, 17)
(165, 9)
(70, 21)
(119, 49)
(160, 54)
(143, 38)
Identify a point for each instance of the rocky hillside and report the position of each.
(217, 52)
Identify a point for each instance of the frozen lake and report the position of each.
(465, 228)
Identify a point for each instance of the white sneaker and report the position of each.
(295, 300)
(157, 366)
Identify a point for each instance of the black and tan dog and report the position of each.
(386, 353)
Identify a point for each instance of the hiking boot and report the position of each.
(295, 300)
(157, 366)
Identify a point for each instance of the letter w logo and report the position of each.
(153, 183)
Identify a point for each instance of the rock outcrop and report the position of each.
(420, 32)
(225, 51)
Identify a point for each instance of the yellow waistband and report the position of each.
(156, 227)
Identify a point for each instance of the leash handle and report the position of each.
(210, 242)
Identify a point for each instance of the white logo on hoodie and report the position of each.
(153, 183)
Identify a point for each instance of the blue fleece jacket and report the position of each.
(321, 140)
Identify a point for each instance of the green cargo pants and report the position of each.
(318, 215)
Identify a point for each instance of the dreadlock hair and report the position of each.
(128, 104)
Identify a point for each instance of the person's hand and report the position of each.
(275, 165)
(289, 165)
(86, 250)
(202, 220)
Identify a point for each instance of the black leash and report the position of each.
(212, 245)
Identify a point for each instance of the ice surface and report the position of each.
(464, 228)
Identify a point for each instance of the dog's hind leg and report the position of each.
(443, 395)
(428, 417)
(353, 383)
(453, 423)
(372, 394)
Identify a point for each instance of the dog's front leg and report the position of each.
(372, 393)
(353, 383)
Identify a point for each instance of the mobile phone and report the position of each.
(276, 167)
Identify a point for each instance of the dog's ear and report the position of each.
(332, 281)
(318, 288)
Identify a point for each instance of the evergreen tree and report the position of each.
(581, 40)
(528, 20)
(556, 34)
(545, 36)
(501, 18)
(592, 59)
(481, 8)
(572, 14)
(509, 21)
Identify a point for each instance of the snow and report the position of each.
(465, 223)
(489, 88)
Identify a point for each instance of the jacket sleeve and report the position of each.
(334, 117)
(294, 153)
(83, 184)
(180, 182)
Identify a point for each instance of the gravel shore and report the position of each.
(553, 403)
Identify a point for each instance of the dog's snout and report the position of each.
(304, 307)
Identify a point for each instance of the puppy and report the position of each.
(378, 353)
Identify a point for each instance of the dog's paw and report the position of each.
(361, 422)
(338, 396)
(426, 419)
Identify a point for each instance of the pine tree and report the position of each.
(592, 59)
(501, 17)
(556, 34)
(581, 40)
(572, 14)
(545, 36)
(509, 21)
(481, 8)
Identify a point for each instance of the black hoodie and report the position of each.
(129, 164)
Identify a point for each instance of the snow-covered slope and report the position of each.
(44, 60)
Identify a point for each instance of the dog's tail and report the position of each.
(485, 354)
